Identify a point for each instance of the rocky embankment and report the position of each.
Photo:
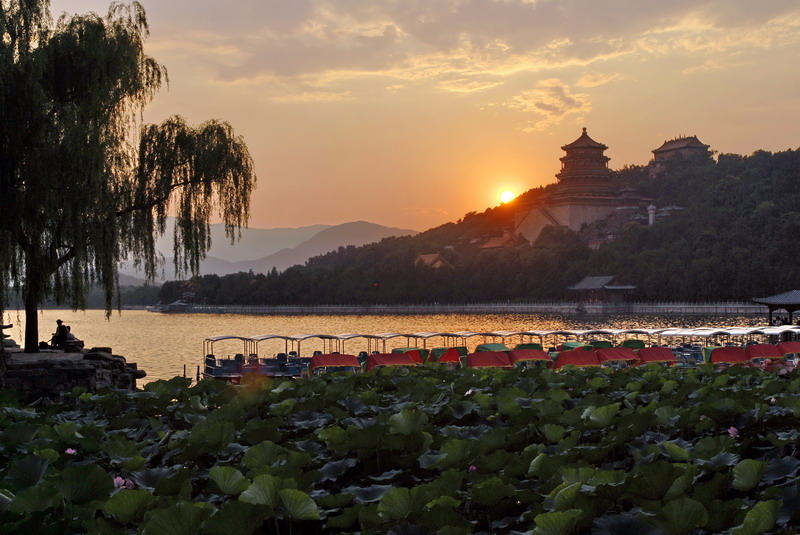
(51, 374)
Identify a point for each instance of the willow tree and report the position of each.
(84, 185)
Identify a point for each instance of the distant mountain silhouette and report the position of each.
(356, 233)
(304, 243)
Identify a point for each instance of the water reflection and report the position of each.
(163, 344)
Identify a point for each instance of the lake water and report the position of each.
(162, 344)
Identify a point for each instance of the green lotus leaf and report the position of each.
(652, 481)
(682, 484)
(369, 494)
(490, 491)
(183, 518)
(563, 497)
(682, 516)
(84, 483)
(151, 477)
(443, 501)
(263, 454)
(333, 469)
(236, 518)
(760, 519)
(27, 471)
(603, 416)
(228, 480)
(33, 499)
(401, 503)
(407, 422)
(674, 452)
(623, 524)
(557, 523)
(48, 453)
(708, 447)
(6, 497)
(129, 505)
(345, 520)
(462, 408)
(777, 469)
(210, 437)
(536, 465)
(68, 432)
(747, 474)
(553, 432)
(263, 491)
(298, 505)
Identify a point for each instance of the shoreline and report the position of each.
(569, 308)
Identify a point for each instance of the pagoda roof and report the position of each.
(683, 142)
(584, 142)
(790, 298)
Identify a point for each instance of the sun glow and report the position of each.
(507, 196)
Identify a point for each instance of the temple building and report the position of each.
(686, 146)
(584, 193)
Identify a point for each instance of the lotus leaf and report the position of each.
(83, 483)
(491, 490)
(682, 516)
(263, 454)
(623, 524)
(369, 494)
(557, 523)
(747, 474)
(777, 469)
(228, 480)
(263, 491)
(401, 503)
(236, 518)
(183, 518)
(33, 499)
(332, 470)
(407, 422)
(601, 417)
(298, 505)
(27, 471)
(129, 506)
(760, 519)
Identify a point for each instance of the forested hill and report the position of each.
(737, 236)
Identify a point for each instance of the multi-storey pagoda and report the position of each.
(584, 192)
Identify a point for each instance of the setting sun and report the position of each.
(507, 196)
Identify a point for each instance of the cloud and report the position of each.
(418, 211)
(552, 100)
(454, 45)
(594, 79)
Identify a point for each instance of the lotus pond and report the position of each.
(413, 451)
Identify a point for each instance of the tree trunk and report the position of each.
(31, 321)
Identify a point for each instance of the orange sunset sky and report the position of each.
(410, 113)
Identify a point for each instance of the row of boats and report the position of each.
(771, 348)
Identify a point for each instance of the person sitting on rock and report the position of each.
(60, 335)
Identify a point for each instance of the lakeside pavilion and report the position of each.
(788, 301)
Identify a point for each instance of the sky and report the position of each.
(411, 113)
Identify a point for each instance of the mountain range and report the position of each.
(261, 250)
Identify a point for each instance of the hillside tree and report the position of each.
(84, 184)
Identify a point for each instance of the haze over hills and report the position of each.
(260, 250)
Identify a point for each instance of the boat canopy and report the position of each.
(647, 355)
(521, 355)
(334, 361)
(391, 359)
(488, 359)
(763, 351)
(577, 357)
(728, 354)
(616, 354)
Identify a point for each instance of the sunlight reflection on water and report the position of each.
(162, 344)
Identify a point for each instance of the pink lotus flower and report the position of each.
(121, 483)
(70, 451)
(473, 468)
(732, 431)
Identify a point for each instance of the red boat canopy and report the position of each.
(789, 347)
(730, 354)
(518, 355)
(488, 359)
(338, 361)
(577, 357)
(615, 354)
(656, 354)
(763, 351)
(391, 359)
(452, 355)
